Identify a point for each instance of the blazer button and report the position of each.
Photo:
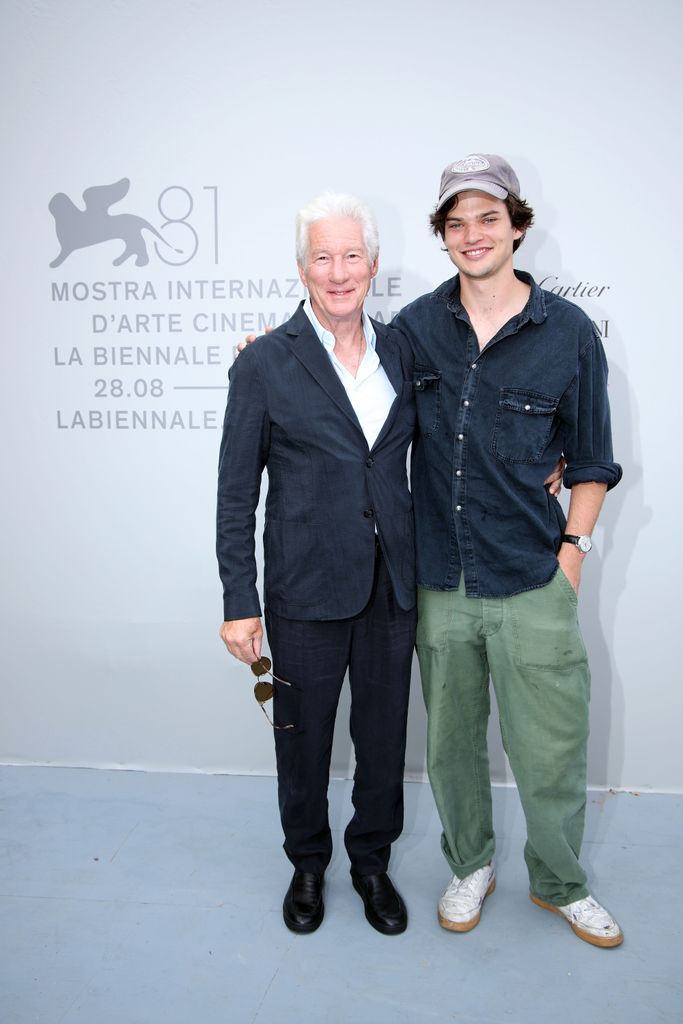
(369, 463)
(369, 513)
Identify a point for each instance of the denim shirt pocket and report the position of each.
(427, 386)
(523, 425)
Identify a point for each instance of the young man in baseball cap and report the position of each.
(508, 378)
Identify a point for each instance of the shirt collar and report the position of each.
(328, 339)
(535, 308)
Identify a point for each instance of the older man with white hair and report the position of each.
(325, 404)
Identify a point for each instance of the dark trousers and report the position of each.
(376, 647)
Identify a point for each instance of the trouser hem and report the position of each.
(563, 901)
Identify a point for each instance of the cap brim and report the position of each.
(473, 185)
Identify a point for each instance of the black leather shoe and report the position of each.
(303, 907)
(384, 908)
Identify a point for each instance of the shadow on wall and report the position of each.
(624, 515)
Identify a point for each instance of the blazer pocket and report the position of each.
(295, 559)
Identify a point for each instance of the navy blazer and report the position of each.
(288, 412)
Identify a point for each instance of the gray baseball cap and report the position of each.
(484, 172)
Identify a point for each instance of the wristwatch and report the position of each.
(583, 543)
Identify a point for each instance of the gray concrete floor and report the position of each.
(134, 898)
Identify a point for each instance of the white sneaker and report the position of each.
(588, 920)
(460, 905)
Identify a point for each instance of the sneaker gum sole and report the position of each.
(466, 926)
(594, 940)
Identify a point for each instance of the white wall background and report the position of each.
(111, 601)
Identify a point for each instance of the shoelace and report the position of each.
(590, 912)
(463, 888)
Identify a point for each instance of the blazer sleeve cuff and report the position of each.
(244, 606)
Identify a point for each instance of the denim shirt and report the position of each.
(491, 427)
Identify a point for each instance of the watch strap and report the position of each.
(582, 541)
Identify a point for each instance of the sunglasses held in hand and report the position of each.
(263, 691)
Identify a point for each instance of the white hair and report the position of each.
(336, 204)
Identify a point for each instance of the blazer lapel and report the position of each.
(311, 353)
(390, 358)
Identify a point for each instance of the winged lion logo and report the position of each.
(78, 229)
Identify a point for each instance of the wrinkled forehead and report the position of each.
(336, 234)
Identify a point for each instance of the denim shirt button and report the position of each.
(461, 437)
(458, 508)
(473, 366)
(458, 472)
(465, 403)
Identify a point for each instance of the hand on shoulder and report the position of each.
(241, 345)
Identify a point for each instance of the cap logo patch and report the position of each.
(470, 164)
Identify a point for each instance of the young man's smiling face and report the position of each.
(479, 235)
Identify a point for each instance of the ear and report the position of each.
(302, 275)
(374, 267)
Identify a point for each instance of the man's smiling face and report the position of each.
(338, 271)
(479, 235)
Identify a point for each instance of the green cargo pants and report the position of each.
(532, 647)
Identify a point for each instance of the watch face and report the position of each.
(584, 544)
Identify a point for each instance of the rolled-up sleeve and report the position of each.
(586, 417)
(243, 455)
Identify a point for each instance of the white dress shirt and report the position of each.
(370, 392)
